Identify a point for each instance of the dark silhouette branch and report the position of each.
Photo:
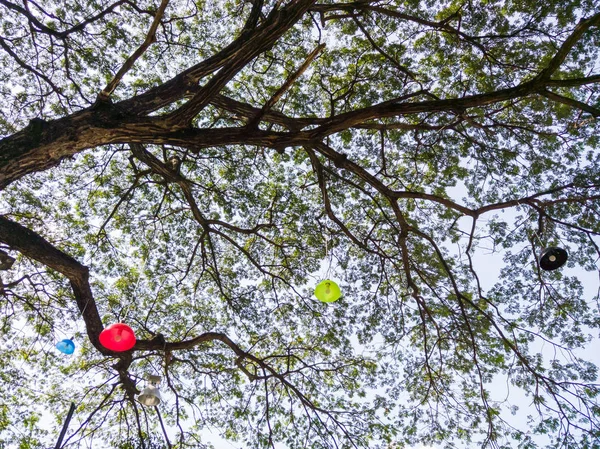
(35, 247)
(571, 102)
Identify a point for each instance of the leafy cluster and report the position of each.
(195, 168)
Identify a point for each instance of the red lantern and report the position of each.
(117, 337)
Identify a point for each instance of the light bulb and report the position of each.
(328, 289)
(552, 258)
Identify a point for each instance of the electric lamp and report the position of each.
(327, 291)
(552, 258)
(150, 396)
(117, 337)
(66, 346)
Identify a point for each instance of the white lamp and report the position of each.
(150, 396)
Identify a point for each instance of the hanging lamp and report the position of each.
(66, 346)
(328, 291)
(552, 258)
(150, 396)
(117, 337)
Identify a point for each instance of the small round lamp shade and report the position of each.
(117, 337)
(327, 291)
(552, 258)
(150, 397)
(66, 346)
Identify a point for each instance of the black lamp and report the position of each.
(552, 258)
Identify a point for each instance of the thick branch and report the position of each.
(442, 25)
(44, 144)
(254, 45)
(35, 247)
(568, 44)
(158, 345)
(149, 345)
(573, 82)
(248, 111)
(390, 109)
(185, 82)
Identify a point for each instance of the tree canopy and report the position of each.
(194, 168)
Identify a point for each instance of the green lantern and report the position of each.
(327, 291)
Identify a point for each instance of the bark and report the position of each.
(35, 247)
(43, 145)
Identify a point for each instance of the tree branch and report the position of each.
(40, 27)
(35, 247)
(571, 102)
(150, 39)
(288, 83)
(567, 45)
(27, 67)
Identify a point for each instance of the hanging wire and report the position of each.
(328, 254)
(135, 290)
(137, 284)
(158, 370)
(151, 363)
(536, 235)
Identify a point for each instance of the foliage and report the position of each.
(194, 168)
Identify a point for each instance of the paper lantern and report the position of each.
(552, 258)
(66, 346)
(117, 337)
(327, 291)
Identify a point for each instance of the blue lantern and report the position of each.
(66, 346)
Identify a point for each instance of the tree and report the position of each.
(194, 168)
